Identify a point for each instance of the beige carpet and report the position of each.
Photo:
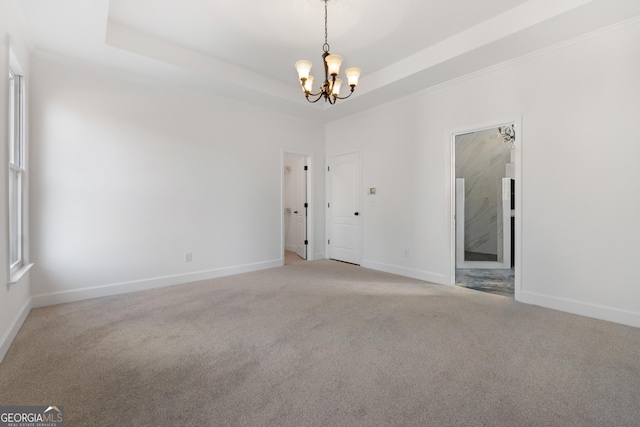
(322, 344)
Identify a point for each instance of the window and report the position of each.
(16, 172)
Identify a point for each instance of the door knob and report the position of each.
(357, 213)
(295, 212)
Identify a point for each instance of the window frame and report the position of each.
(17, 175)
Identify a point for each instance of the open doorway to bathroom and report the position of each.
(295, 208)
(484, 206)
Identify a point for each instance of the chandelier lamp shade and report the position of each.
(330, 88)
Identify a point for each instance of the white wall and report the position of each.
(580, 177)
(14, 299)
(128, 177)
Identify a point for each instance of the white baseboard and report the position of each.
(291, 248)
(54, 298)
(427, 276)
(581, 308)
(7, 339)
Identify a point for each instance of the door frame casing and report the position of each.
(518, 195)
(308, 161)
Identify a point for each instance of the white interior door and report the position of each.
(344, 205)
(301, 208)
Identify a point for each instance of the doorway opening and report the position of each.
(295, 208)
(484, 183)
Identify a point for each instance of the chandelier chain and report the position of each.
(326, 32)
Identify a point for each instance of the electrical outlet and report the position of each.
(187, 257)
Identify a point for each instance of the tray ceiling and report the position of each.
(245, 49)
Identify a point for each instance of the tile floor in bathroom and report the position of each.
(495, 281)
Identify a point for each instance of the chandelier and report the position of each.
(330, 89)
(508, 134)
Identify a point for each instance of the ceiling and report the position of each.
(245, 49)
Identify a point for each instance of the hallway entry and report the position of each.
(484, 209)
(295, 206)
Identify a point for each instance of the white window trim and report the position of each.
(20, 268)
(19, 273)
